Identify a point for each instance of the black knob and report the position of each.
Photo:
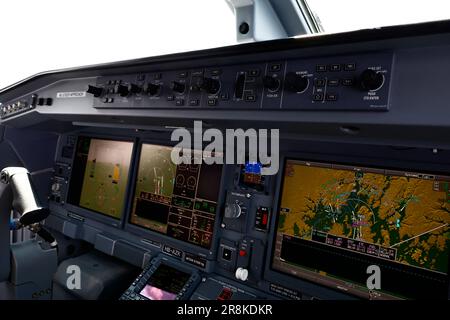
(134, 88)
(271, 83)
(178, 86)
(152, 89)
(371, 80)
(96, 91)
(122, 90)
(210, 85)
(296, 82)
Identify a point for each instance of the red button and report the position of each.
(242, 253)
(264, 219)
(226, 294)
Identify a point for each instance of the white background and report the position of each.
(346, 15)
(41, 35)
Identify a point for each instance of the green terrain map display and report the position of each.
(410, 215)
(106, 176)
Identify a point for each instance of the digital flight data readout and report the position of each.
(335, 220)
(251, 176)
(100, 175)
(165, 283)
(177, 200)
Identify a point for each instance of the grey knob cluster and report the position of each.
(233, 210)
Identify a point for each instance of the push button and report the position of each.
(319, 82)
(318, 97)
(254, 72)
(212, 102)
(226, 254)
(250, 98)
(333, 82)
(331, 97)
(275, 67)
(350, 67)
(193, 102)
(347, 82)
(335, 67)
(321, 68)
(226, 294)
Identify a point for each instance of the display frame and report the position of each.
(307, 287)
(161, 240)
(95, 215)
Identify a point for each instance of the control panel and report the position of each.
(163, 279)
(329, 83)
(24, 104)
(236, 233)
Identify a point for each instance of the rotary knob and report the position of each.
(122, 90)
(134, 88)
(177, 86)
(96, 91)
(210, 85)
(296, 83)
(152, 89)
(241, 274)
(56, 187)
(233, 210)
(371, 80)
(271, 83)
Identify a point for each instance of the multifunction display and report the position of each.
(335, 221)
(177, 200)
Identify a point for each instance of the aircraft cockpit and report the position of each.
(299, 161)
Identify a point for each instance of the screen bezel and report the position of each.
(164, 239)
(307, 286)
(96, 215)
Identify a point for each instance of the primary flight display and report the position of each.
(100, 175)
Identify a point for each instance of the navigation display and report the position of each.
(179, 201)
(335, 220)
(100, 175)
